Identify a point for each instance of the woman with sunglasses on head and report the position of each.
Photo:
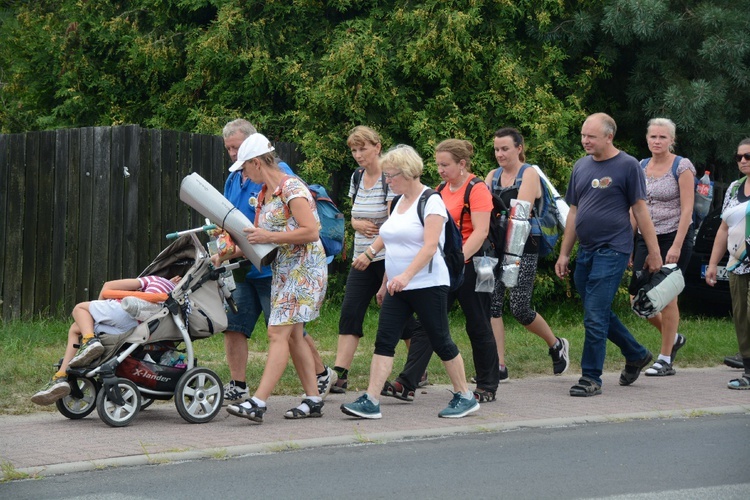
(670, 195)
(731, 237)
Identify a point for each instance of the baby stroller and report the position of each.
(127, 377)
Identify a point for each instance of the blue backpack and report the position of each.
(452, 252)
(544, 216)
(331, 221)
(697, 217)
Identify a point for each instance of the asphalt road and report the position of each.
(700, 457)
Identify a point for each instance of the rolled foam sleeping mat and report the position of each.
(203, 197)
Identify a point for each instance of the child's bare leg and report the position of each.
(59, 387)
(91, 348)
(74, 338)
(83, 319)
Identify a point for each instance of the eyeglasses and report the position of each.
(738, 158)
(391, 176)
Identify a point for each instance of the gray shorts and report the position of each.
(109, 317)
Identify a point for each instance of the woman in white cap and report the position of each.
(287, 217)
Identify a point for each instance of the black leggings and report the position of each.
(431, 307)
(476, 308)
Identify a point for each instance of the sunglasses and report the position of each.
(738, 158)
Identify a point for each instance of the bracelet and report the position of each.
(372, 251)
(366, 255)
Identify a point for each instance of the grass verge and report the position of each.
(29, 349)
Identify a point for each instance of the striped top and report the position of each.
(156, 284)
(369, 206)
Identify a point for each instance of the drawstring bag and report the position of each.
(652, 292)
(484, 265)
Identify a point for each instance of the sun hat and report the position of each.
(255, 145)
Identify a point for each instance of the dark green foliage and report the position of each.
(685, 60)
(306, 71)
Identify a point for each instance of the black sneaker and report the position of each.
(560, 357)
(504, 374)
(679, 341)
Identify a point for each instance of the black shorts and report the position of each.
(665, 243)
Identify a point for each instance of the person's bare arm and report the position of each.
(569, 239)
(643, 219)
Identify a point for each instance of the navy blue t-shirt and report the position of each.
(603, 192)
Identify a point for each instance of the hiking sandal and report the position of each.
(315, 410)
(397, 390)
(632, 370)
(586, 387)
(484, 395)
(742, 383)
(660, 368)
(254, 413)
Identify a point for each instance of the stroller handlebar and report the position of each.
(207, 227)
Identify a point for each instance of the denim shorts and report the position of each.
(252, 297)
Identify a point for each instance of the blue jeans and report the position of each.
(252, 297)
(597, 277)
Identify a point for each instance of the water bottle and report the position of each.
(180, 363)
(213, 249)
(169, 358)
(704, 193)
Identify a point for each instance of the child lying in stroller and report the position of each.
(100, 316)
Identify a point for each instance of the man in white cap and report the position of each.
(253, 292)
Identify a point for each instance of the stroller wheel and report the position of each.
(199, 395)
(119, 414)
(146, 402)
(79, 403)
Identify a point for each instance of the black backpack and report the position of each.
(452, 253)
(494, 245)
(357, 178)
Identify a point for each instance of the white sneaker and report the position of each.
(234, 394)
(325, 382)
(56, 388)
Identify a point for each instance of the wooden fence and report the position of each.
(82, 206)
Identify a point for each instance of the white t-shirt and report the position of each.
(403, 236)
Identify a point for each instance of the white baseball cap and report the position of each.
(255, 145)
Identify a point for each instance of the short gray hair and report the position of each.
(240, 126)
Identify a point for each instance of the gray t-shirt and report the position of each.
(603, 192)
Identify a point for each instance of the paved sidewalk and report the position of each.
(47, 443)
